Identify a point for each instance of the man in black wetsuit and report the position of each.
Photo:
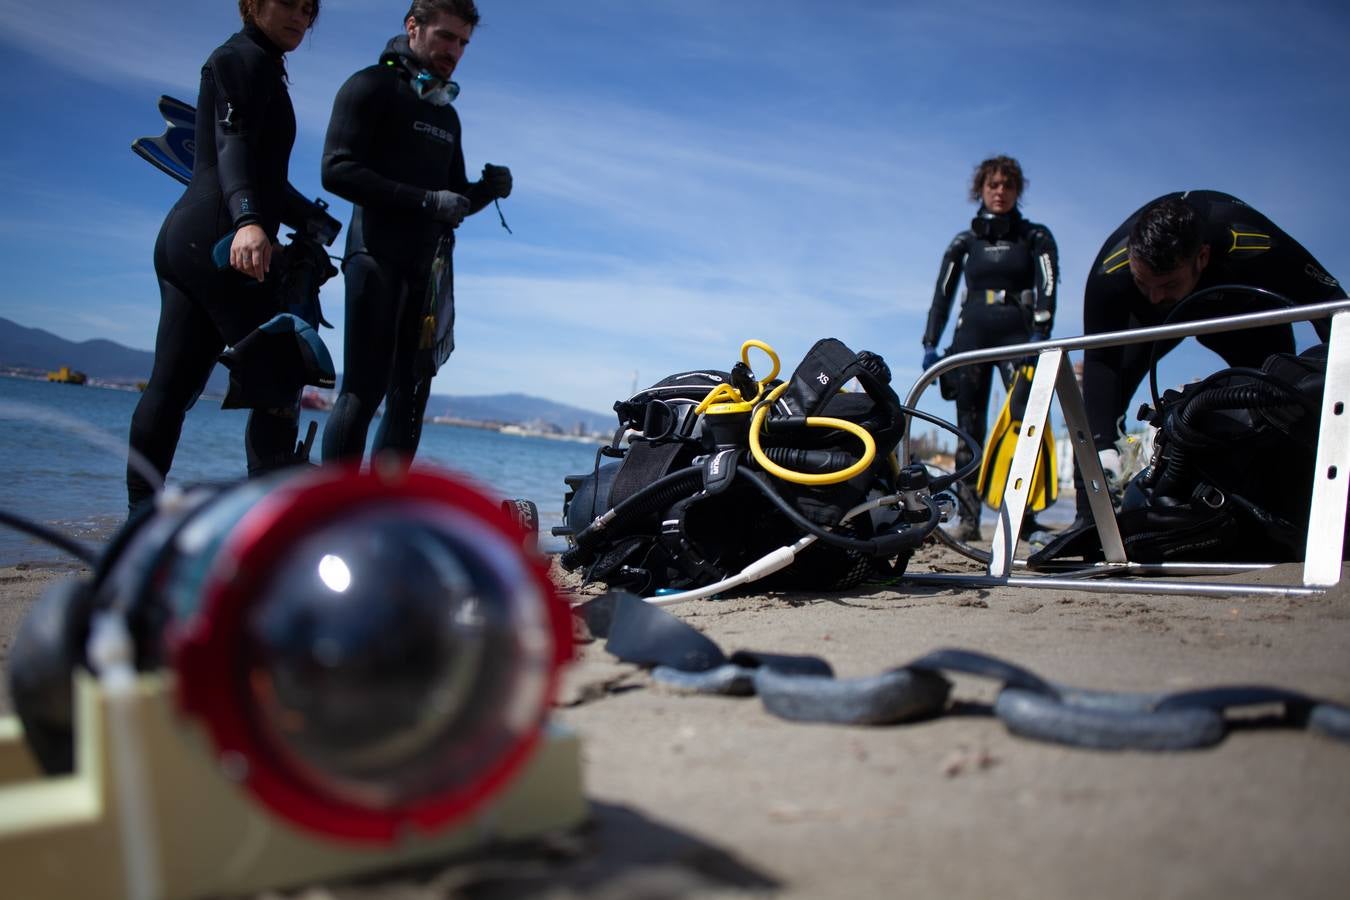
(1012, 270)
(1174, 246)
(393, 149)
(243, 135)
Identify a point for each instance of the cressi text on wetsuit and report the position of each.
(386, 148)
(244, 130)
(1246, 248)
(1011, 267)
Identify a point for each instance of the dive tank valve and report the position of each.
(728, 407)
(726, 419)
(726, 426)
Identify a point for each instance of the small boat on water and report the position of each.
(67, 375)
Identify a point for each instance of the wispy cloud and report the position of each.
(692, 174)
(41, 212)
(113, 43)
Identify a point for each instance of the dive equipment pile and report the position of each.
(728, 478)
(1211, 492)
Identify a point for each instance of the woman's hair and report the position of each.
(248, 10)
(422, 10)
(1003, 165)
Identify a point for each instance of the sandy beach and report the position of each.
(703, 796)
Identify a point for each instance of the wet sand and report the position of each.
(715, 797)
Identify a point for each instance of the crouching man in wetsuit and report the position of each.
(1174, 246)
(1012, 270)
(393, 149)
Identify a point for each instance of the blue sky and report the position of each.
(691, 174)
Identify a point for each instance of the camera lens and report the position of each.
(397, 654)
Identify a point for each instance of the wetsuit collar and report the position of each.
(257, 36)
(427, 85)
(994, 226)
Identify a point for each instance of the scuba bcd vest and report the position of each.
(1231, 476)
(721, 469)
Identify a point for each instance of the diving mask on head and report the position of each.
(992, 226)
(430, 87)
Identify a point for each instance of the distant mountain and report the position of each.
(33, 348)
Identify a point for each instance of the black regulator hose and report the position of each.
(70, 545)
(652, 498)
(883, 545)
(810, 460)
(942, 483)
(1245, 397)
(1278, 301)
(1264, 392)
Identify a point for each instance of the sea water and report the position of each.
(64, 452)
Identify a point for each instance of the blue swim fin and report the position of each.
(172, 153)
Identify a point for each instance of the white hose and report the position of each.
(770, 562)
(764, 566)
(111, 653)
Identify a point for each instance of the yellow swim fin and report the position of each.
(998, 451)
(1002, 443)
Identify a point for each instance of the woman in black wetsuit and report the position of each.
(244, 131)
(1012, 271)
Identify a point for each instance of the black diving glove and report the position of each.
(498, 180)
(446, 206)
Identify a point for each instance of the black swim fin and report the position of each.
(271, 364)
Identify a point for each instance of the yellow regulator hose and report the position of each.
(757, 449)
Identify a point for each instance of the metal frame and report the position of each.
(1054, 377)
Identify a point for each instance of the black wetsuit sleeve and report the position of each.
(1046, 259)
(296, 210)
(949, 276)
(236, 119)
(350, 144)
(1106, 307)
(479, 196)
(478, 193)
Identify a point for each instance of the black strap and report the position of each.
(802, 688)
